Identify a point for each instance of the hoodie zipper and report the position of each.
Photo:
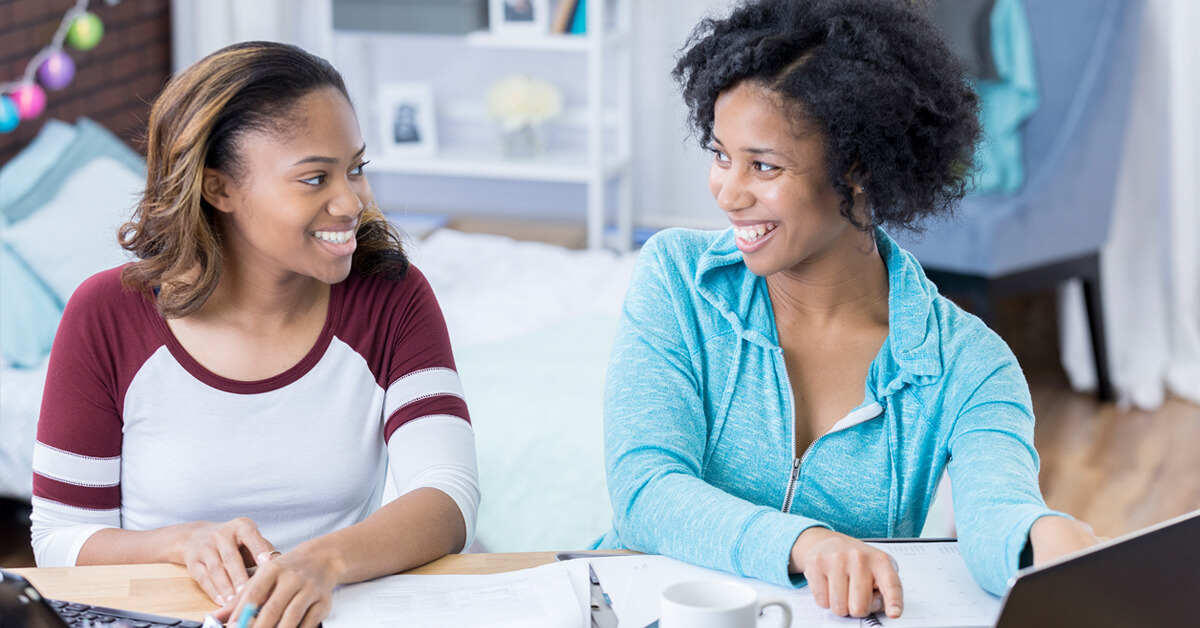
(791, 487)
(796, 460)
(787, 497)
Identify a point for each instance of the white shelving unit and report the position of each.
(606, 116)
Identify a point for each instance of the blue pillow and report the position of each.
(30, 313)
(19, 176)
(91, 140)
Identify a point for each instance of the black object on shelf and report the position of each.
(433, 17)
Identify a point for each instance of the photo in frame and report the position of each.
(519, 17)
(407, 120)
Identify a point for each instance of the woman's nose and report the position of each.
(730, 190)
(347, 202)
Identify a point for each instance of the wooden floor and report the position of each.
(1117, 470)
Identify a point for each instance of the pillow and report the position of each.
(91, 141)
(21, 173)
(74, 235)
(29, 314)
(537, 405)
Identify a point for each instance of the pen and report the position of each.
(602, 610)
(248, 613)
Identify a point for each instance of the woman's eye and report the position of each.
(720, 156)
(359, 169)
(761, 167)
(317, 180)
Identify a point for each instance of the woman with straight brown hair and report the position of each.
(234, 396)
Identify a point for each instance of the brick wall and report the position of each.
(115, 82)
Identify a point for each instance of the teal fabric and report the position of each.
(699, 423)
(1006, 103)
(91, 140)
(19, 176)
(29, 314)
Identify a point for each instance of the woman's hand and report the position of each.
(216, 555)
(1053, 537)
(289, 590)
(846, 575)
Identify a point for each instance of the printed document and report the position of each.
(939, 592)
(551, 596)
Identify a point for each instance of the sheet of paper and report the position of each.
(551, 596)
(938, 590)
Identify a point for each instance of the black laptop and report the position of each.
(21, 606)
(1148, 578)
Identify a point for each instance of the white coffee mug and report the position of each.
(715, 604)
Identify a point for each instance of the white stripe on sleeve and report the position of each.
(438, 451)
(59, 531)
(71, 468)
(420, 385)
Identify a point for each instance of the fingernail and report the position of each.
(894, 610)
(239, 588)
(263, 557)
(221, 600)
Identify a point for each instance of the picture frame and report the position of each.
(519, 17)
(406, 120)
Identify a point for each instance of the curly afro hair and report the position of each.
(875, 76)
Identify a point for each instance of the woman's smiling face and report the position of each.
(294, 207)
(768, 175)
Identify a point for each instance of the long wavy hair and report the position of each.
(196, 123)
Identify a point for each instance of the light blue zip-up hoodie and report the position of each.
(699, 423)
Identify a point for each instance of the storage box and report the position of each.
(444, 17)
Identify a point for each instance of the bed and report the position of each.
(531, 325)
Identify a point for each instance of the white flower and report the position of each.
(518, 101)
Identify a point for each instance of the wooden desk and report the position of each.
(165, 589)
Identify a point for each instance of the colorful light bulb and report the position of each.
(30, 100)
(56, 71)
(86, 31)
(9, 118)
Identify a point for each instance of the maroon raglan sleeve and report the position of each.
(430, 439)
(77, 454)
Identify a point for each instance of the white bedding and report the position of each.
(531, 325)
(20, 398)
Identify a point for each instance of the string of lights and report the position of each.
(51, 68)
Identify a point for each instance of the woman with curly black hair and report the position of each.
(783, 388)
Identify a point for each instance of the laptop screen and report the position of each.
(1148, 578)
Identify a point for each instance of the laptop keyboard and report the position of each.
(88, 616)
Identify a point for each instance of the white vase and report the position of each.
(522, 142)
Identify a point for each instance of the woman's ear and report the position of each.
(215, 188)
(856, 179)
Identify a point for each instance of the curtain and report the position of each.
(199, 27)
(1150, 269)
